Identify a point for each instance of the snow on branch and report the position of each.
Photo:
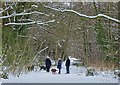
(33, 22)
(5, 9)
(83, 15)
(2, 61)
(25, 20)
(23, 13)
(35, 12)
(59, 45)
(22, 36)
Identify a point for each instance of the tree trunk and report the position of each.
(119, 38)
(1, 31)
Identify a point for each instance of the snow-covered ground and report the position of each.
(0, 81)
(43, 77)
(77, 75)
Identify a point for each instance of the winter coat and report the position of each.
(67, 64)
(48, 63)
(59, 64)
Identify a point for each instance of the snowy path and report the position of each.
(44, 77)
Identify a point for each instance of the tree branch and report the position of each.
(23, 13)
(33, 22)
(22, 36)
(83, 15)
(39, 53)
(7, 8)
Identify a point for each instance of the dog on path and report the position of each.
(54, 71)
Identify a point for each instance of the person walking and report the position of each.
(48, 63)
(67, 64)
(59, 65)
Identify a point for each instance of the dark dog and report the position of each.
(53, 70)
(42, 68)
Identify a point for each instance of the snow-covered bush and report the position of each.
(4, 75)
(90, 72)
(116, 73)
(75, 61)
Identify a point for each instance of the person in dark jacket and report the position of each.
(59, 65)
(67, 64)
(48, 64)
